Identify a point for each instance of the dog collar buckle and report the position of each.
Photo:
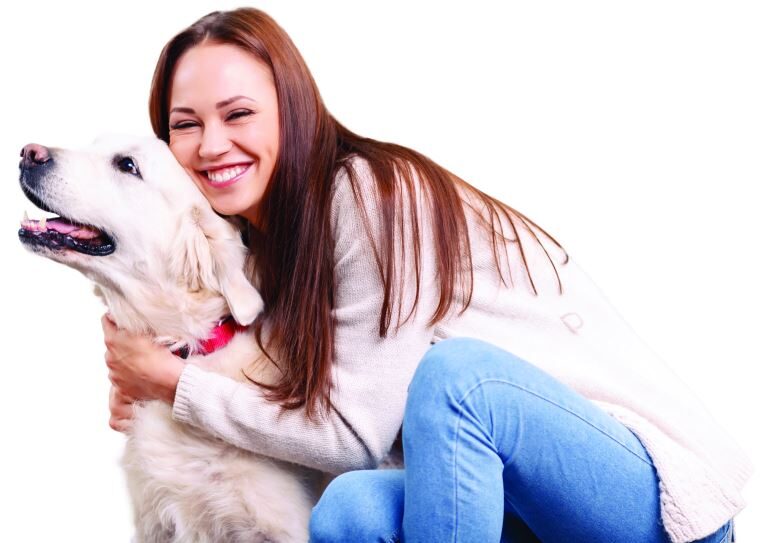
(220, 336)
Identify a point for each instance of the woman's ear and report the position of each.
(208, 254)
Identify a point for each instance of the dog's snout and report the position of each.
(35, 165)
(34, 155)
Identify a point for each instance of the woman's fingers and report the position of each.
(107, 324)
(120, 410)
(120, 425)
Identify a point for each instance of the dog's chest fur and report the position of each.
(187, 485)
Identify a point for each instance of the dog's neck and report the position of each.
(173, 317)
(219, 337)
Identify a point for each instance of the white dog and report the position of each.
(165, 263)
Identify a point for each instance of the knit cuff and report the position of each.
(184, 394)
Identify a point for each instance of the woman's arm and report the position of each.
(370, 374)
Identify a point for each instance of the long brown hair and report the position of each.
(291, 253)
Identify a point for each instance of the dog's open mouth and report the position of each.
(59, 233)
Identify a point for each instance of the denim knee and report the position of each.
(452, 356)
(452, 363)
(447, 370)
(365, 505)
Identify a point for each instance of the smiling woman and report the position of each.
(336, 224)
(571, 111)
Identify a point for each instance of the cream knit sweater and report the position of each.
(575, 336)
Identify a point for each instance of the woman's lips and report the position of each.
(216, 185)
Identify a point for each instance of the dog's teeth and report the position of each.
(25, 218)
(43, 223)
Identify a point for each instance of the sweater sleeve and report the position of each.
(370, 374)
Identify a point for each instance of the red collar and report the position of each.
(220, 336)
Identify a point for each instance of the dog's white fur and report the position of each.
(178, 269)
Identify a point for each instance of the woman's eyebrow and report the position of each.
(224, 103)
(219, 105)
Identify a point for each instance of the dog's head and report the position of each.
(130, 219)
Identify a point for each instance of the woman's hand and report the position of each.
(139, 369)
(120, 410)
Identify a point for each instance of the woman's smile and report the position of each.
(223, 177)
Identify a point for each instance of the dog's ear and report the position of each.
(208, 254)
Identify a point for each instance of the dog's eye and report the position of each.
(126, 164)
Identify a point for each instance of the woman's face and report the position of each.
(224, 125)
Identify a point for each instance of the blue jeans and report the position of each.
(497, 450)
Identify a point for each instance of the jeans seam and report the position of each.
(477, 385)
(456, 478)
(728, 537)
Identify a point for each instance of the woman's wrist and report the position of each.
(173, 366)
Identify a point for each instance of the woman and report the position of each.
(537, 415)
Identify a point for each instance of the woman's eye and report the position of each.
(182, 125)
(230, 117)
(238, 114)
(126, 164)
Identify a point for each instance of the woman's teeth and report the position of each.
(221, 176)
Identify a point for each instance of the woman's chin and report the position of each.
(234, 211)
(227, 210)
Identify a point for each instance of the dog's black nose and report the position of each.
(36, 163)
(34, 155)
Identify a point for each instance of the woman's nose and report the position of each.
(34, 155)
(214, 142)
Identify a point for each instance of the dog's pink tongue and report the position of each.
(73, 230)
(60, 226)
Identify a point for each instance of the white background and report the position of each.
(638, 133)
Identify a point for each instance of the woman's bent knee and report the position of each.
(450, 367)
(454, 358)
